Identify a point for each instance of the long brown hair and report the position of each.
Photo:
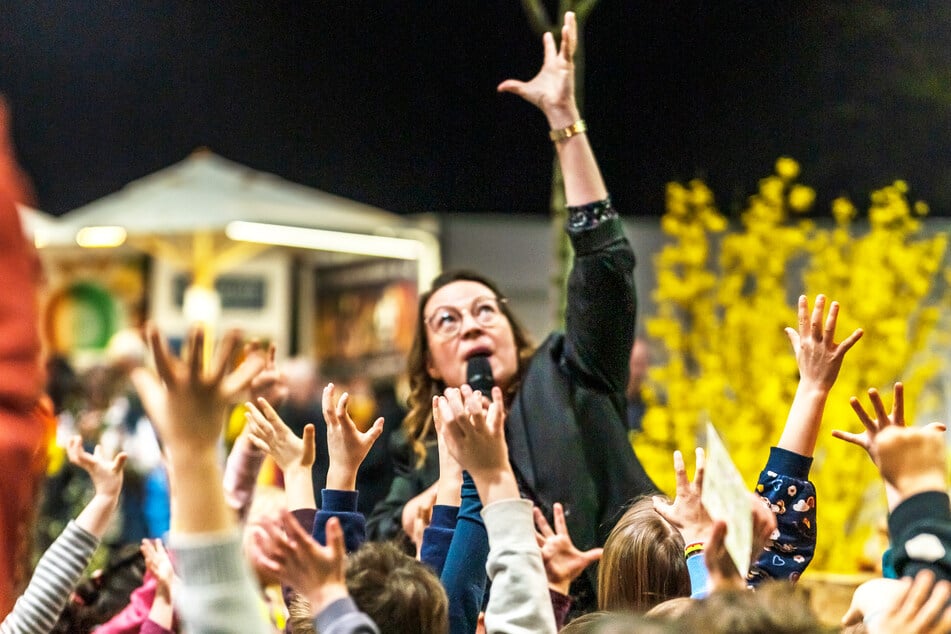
(643, 562)
(418, 422)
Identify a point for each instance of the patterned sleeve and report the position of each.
(54, 579)
(784, 485)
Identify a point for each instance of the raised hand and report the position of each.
(187, 403)
(474, 436)
(563, 561)
(867, 440)
(316, 572)
(346, 444)
(909, 606)
(106, 473)
(268, 432)
(818, 356)
(552, 90)
(687, 514)
(270, 383)
(159, 564)
(913, 459)
(722, 569)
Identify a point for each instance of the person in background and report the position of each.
(638, 363)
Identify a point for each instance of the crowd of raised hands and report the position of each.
(487, 559)
(484, 557)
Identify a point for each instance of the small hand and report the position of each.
(818, 356)
(867, 439)
(913, 459)
(916, 606)
(268, 432)
(186, 403)
(552, 90)
(316, 572)
(722, 569)
(563, 561)
(106, 473)
(449, 485)
(270, 383)
(346, 444)
(687, 514)
(159, 564)
(474, 437)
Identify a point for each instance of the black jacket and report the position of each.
(566, 428)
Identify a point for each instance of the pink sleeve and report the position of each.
(134, 616)
(241, 474)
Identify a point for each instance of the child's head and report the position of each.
(775, 608)
(643, 562)
(400, 594)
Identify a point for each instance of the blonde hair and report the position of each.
(643, 562)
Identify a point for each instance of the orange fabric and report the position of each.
(22, 430)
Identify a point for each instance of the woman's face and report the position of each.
(469, 303)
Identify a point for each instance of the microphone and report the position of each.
(479, 375)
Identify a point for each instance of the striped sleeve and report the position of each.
(55, 577)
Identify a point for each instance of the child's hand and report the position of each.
(687, 514)
(159, 564)
(270, 383)
(346, 444)
(268, 432)
(563, 561)
(867, 440)
(913, 459)
(474, 436)
(818, 356)
(314, 571)
(186, 402)
(106, 473)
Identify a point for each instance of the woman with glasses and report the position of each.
(565, 429)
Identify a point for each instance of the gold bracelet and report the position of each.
(557, 136)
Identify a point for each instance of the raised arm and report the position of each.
(188, 404)
(601, 302)
(519, 599)
(294, 456)
(63, 563)
(819, 359)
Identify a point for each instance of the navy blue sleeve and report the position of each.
(784, 485)
(343, 506)
(438, 536)
(463, 575)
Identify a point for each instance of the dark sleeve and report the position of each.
(463, 575)
(601, 311)
(784, 484)
(386, 520)
(438, 536)
(560, 605)
(921, 535)
(343, 506)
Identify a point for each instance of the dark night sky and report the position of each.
(393, 102)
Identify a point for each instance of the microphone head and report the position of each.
(479, 374)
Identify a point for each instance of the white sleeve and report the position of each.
(519, 602)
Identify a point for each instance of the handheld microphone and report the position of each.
(479, 375)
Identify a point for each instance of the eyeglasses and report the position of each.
(446, 321)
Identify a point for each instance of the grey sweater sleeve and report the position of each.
(56, 575)
(218, 591)
(519, 602)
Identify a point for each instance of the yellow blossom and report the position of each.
(787, 168)
(801, 198)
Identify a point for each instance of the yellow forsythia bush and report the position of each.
(724, 294)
